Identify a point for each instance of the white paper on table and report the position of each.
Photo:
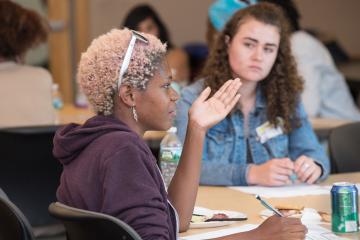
(286, 191)
(316, 232)
(221, 233)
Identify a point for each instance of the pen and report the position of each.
(269, 150)
(268, 206)
(225, 219)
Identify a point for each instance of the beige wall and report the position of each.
(338, 18)
(186, 19)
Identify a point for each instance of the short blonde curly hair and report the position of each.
(99, 66)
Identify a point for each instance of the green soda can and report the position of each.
(345, 212)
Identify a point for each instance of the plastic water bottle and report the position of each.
(170, 152)
(56, 101)
(81, 100)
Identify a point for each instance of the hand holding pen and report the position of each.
(276, 227)
(268, 206)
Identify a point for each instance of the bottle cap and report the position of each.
(172, 130)
(55, 87)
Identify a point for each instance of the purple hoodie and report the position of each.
(108, 168)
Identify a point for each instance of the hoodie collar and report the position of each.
(70, 140)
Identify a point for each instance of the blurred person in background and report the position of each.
(326, 94)
(25, 90)
(144, 18)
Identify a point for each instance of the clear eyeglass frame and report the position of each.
(125, 65)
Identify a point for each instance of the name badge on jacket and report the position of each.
(267, 130)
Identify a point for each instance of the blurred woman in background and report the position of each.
(143, 18)
(25, 90)
(326, 93)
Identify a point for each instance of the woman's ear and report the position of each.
(126, 95)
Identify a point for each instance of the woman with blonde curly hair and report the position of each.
(108, 168)
(267, 139)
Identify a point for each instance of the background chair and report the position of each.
(344, 146)
(30, 175)
(87, 225)
(13, 224)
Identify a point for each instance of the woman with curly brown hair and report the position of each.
(267, 140)
(22, 29)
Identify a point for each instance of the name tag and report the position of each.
(267, 131)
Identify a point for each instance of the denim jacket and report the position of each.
(226, 148)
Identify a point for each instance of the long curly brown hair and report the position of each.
(282, 87)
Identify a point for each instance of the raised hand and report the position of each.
(203, 114)
(207, 112)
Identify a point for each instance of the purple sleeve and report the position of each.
(132, 193)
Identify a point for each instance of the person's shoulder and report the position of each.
(123, 147)
(300, 110)
(35, 69)
(309, 50)
(302, 36)
(122, 139)
(302, 40)
(27, 70)
(37, 72)
(194, 89)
